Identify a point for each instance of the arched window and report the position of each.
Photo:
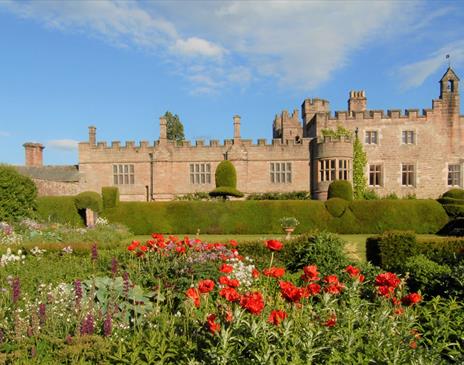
(450, 85)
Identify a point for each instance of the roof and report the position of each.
(64, 173)
(450, 74)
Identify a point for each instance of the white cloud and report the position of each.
(414, 74)
(63, 144)
(5, 134)
(197, 47)
(299, 44)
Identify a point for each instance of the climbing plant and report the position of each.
(337, 133)
(359, 165)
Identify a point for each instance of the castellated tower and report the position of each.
(357, 102)
(287, 128)
(311, 110)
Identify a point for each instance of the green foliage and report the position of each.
(226, 181)
(194, 196)
(18, 195)
(391, 196)
(110, 196)
(59, 209)
(339, 132)
(426, 275)
(359, 166)
(322, 248)
(261, 216)
(336, 206)
(174, 127)
(391, 249)
(340, 189)
(370, 194)
(454, 194)
(89, 199)
(454, 211)
(293, 195)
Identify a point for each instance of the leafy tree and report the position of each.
(359, 164)
(175, 129)
(18, 195)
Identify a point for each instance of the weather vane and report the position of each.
(449, 60)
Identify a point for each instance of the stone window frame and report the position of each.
(368, 137)
(375, 178)
(281, 172)
(457, 178)
(405, 134)
(409, 175)
(123, 174)
(200, 173)
(331, 169)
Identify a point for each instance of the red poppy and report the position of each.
(212, 325)
(274, 245)
(194, 294)
(205, 286)
(224, 280)
(230, 294)
(411, 299)
(233, 243)
(229, 316)
(133, 245)
(274, 272)
(334, 286)
(290, 292)
(226, 269)
(234, 283)
(276, 317)
(313, 289)
(255, 273)
(310, 273)
(252, 302)
(385, 291)
(332, 321)
(180, 249)
(143, 248)
(387, 279)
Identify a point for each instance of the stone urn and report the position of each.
(288, 231)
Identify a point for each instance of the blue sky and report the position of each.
(65, 65)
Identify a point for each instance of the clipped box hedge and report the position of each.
(59, 209)
(392, 249)
(260, 216)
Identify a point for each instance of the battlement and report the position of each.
(332, 139)
(423, 115)
(357, 94)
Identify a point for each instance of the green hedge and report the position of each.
(59, 209)
(261, 216)
(454, 194)
(340, 189)
(336, 206)
(391, 249)
(110, 196)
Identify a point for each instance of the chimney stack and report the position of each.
(163, 130)
(236, 127)
(34, 156)
(357, 102)
(92, 136)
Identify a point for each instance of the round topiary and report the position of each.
(18, 195)
(454, 194)
(340, 189)
(336, 206)
(226, 181)
(89, 199)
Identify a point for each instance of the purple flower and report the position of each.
(126, 284)
(88, 326)
(114, 266)
(94, 252)
(69, 339)
(107, 325)
(42, 313)
(78, 292)
(16, 289)
(1, 336)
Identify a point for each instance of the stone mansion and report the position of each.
(408, 153)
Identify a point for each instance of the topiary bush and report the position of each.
(59, 209)
(340, 189)
(110, 196)
(322, 248)
(89, 199)
(454, 194)
(336, 206)
(226, 181)
(18, 195)
(292, 195)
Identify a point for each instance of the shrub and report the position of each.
(18, 195)
(89, 199)
(454, 194)
(370, 194)
(391, 249)
(336, 206)
(194, 196)
(226, 181)
(59, 209)
(293, 195)
(110, 196)
(322, 248)
(454, 211)
(340, 189)
(426, 275)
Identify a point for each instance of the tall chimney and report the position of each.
(163, 130)
(236, 127)
(92, 136)
(357, 102)
(33, 154)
